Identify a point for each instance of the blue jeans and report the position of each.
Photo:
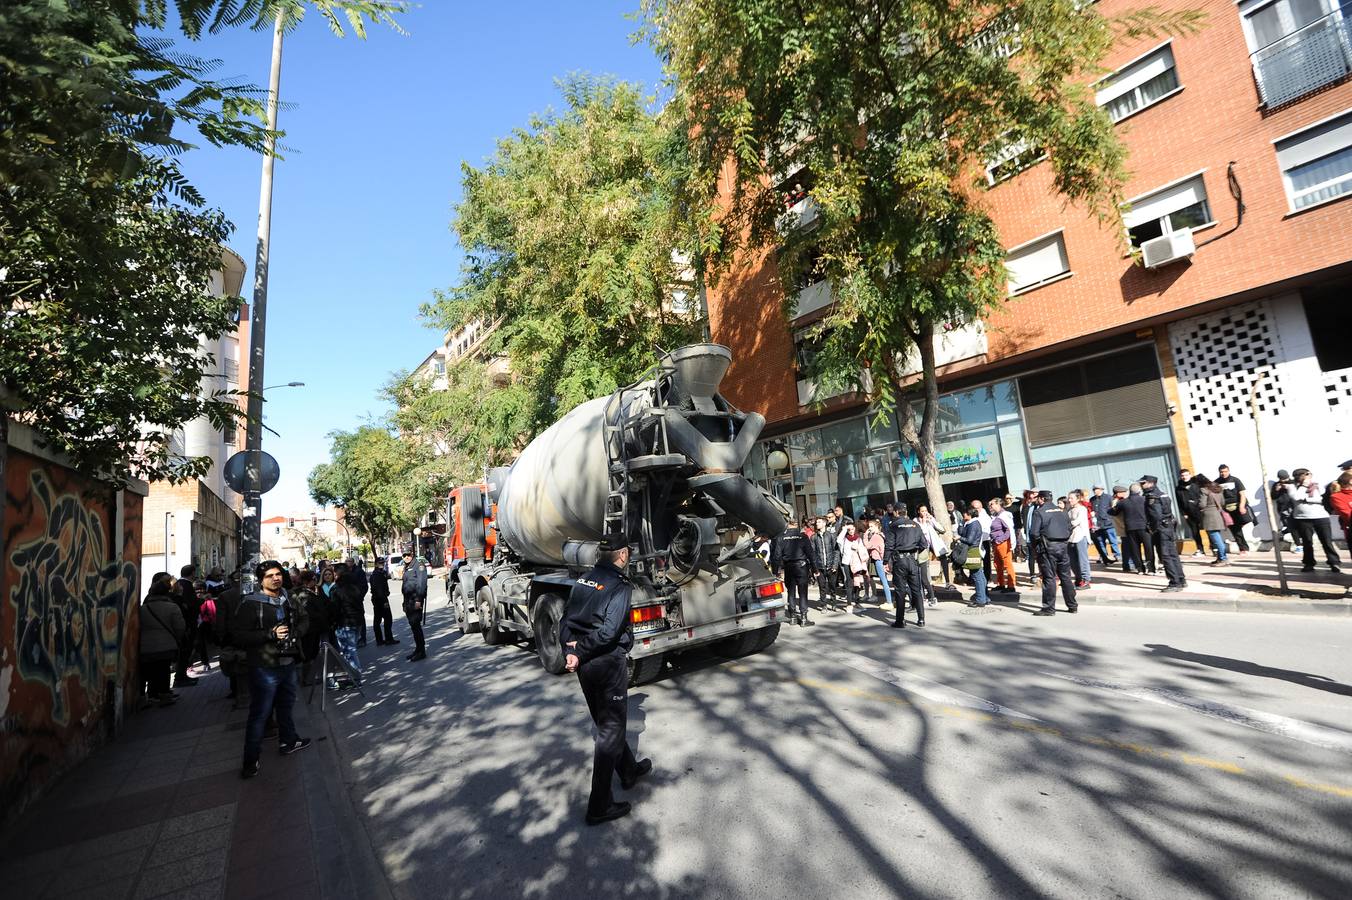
(979, 582)
(882, 577)
(1218, 544)
(1082, 554)
(270, 687)
(347, 645)
(1104, 538)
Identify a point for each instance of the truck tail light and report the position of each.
(644, 614)
(773, 589)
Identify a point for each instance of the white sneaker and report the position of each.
(887, 606)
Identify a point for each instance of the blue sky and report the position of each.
(362, 203)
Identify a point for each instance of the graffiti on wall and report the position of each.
(69, 597)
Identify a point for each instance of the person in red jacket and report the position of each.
(1341, 501)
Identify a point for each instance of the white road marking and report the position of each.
(919, 685)
(1282, 726)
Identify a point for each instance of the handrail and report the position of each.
(1286, 37)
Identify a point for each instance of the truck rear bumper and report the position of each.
(679, 639)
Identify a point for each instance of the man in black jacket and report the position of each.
(348, 616)
(380, 603)
(414, 588)
(903, 544)
(1160, 521)
(1190, 505)
(1137, 553)
(1049, 532)
(825, 561)
(790, 552)
(596, 642)
(268, 626)
(185, 595)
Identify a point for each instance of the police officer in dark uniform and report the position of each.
(1160, 522)
(1049, 530)
(791, 553)
(904, 539)
(596, 642)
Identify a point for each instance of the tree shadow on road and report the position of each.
(473, 770)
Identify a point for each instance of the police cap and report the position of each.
(1044, 495)
(614, 541)
(1153, 479)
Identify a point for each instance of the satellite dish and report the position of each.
(237, 472)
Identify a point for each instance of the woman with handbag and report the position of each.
(163, 633)
(1211, 508)
(970, 535)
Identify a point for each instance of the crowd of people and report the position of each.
(268, 642)
(886, 555)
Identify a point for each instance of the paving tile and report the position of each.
(77, 874)
(196, 821)
(183, 846)
(181, 874)
(197, 802)
(111, 889)
(207, 890)
(306, 890)
(42, 860)
(117, 842)
(220, 767)
(263, 848)
(258, 881)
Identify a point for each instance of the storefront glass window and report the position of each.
(816, 483)
(864, 478)
(805, 445)
(843, 437)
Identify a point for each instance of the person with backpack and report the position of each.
(1049, 531)
(1311, 519)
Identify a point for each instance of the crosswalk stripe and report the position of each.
(918, 684)
(1283, 726)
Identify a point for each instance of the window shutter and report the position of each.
(1313, 143)
(1109, 395)
(1135, 75)
(1161, 203)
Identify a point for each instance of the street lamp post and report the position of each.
(253, 436)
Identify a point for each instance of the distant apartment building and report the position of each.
(199, 521)
(1100, 368)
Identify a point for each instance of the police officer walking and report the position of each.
(596, 643)
(904, 540)
(1049, 530)
(1160, 522)
(791, 552)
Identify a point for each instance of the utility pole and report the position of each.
(1275, 525)
(253, 436)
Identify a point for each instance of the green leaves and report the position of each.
(569, 232)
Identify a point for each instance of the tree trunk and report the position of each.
(923, 440)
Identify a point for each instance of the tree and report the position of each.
(569, 232)
(106, 250)
(368, 474)
(884, 113)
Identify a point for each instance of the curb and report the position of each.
(1293, 607)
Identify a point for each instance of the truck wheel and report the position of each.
(739, 645)
(488, 622)
(642, 671)
(461, 613)
(767, 637)
(548, 614)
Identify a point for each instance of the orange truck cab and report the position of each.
(472, 535)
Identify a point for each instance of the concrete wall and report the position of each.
(68, 619)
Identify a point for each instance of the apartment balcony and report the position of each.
(1312, 57)
(812, 298)
(798, 216)
(500, 371)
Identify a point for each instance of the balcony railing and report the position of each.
(1305, 60)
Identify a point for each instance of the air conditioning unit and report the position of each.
(1169, 248)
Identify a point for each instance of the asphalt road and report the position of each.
(1116, 753)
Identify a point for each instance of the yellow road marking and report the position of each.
(953, 712)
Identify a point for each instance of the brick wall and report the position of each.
(1214, 120)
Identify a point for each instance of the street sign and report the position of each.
(237, 472)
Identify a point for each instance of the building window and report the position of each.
(1317, 163)
(1179, 207)
(1298, 46)
(1138, 84)
(1037, 262)
(1012, 159)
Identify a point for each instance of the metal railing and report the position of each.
(1309, 58)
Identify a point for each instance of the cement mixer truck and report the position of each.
(658, 461)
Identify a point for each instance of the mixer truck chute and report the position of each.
(659, 461)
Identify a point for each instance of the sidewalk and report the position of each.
(1248, 584)
(162, 812)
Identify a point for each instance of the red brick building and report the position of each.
(1241, 152)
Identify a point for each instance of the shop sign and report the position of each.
(965, 459)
